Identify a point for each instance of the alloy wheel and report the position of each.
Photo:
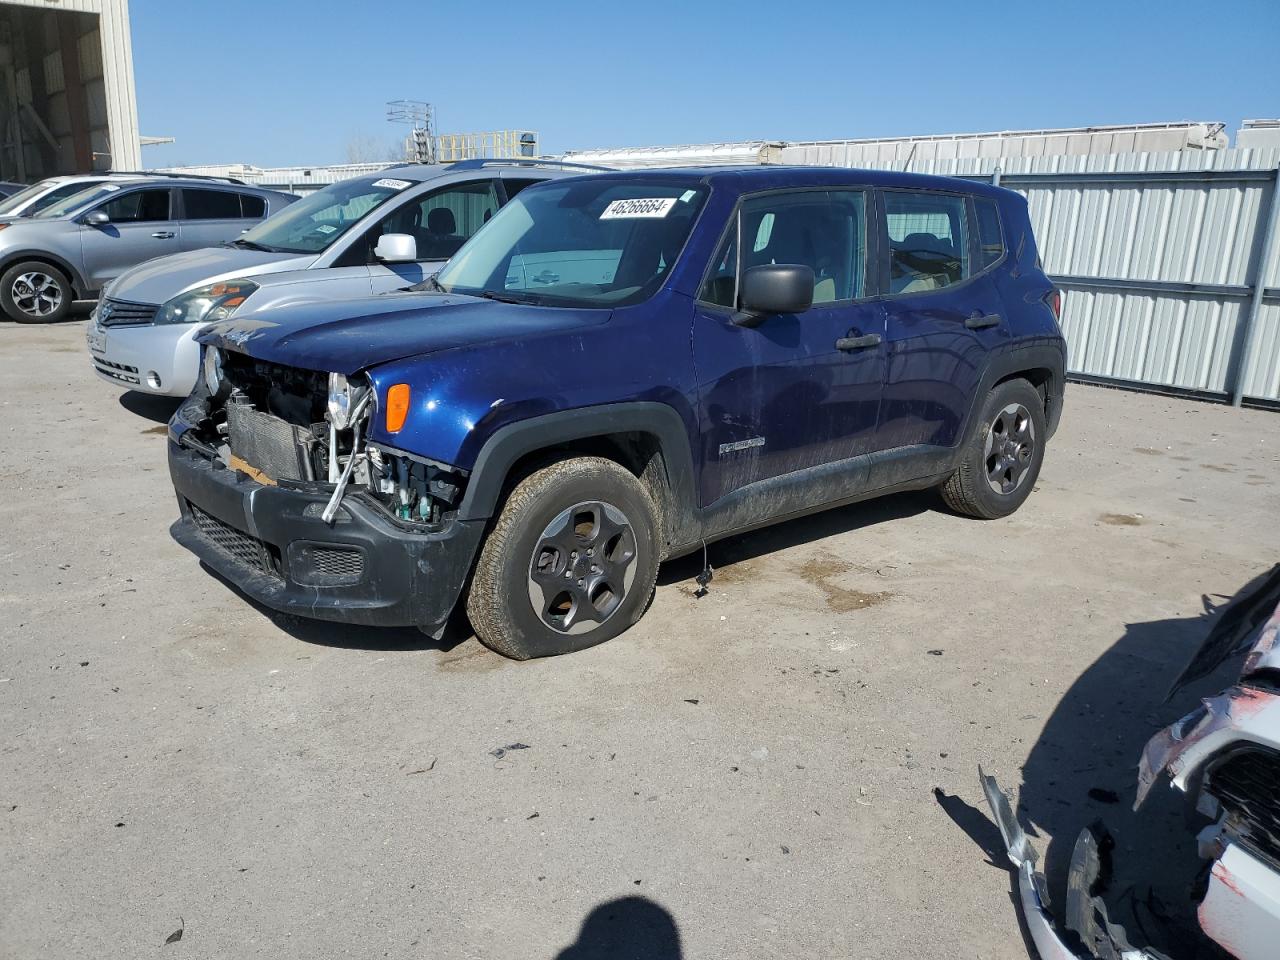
(1010, 448)
(36, 294)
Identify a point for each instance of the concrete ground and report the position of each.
(784, 768)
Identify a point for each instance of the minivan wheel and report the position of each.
(570, 562)
(35, 292)
(1002, 458)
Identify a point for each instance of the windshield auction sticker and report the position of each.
(641, 208)
(390, 184)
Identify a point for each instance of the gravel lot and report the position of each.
(758, 769)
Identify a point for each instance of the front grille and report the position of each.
(125, 313)
(117, 371)
(1247, 784)
(239, 546)
(338, 564)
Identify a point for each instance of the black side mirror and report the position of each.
(776, 288)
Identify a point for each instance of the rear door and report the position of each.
(210, 216)
(142, 228)
(944, 316)
(796, 390)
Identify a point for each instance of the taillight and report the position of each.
(1054, 299)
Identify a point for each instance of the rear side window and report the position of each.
(251, 207)
(211, 205)
(821, 229)
(990, 238)
(140, 206)
(928, 241)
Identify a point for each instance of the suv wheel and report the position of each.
(1002, 459)
(34, 292)
(570, 563)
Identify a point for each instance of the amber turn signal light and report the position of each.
(397, 407)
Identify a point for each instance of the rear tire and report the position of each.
(35, 292)
(570, 562)
(1001, 460)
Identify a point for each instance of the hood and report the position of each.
(164, 278)
(346, 336)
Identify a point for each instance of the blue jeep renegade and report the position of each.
(614, 371)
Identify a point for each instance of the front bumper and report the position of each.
(271, 543)
(162, 359)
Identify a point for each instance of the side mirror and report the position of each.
(776, 288)
(396, 248)
(96, 218)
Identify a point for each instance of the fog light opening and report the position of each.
(153, 380)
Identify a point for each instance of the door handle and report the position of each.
(164, 234)
(858, 343)
(980, 322)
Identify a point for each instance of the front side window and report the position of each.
(211, 205)
(824, 230)
(927, 241)
(589, 242)
(442, 221)
(81, 198)
(140, 206)
(312, 224)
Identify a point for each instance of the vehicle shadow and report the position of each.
(1082, 771)
(629, 928)
(326, 633)
(817, 526)
(149, 406)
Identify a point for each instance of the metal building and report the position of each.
(66, 88)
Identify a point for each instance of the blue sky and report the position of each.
(276, 82)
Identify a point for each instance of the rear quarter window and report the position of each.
(990, 236)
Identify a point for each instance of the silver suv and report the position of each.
(71, 249)
(367, 235)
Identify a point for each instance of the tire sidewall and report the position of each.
(6, 292)
(587, 484)
(1014, 391)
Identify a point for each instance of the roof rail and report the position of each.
(174, 176)
(478, 162)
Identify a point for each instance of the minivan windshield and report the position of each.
(585, 242)
(313, 223)
(81, 198)
(14, 202)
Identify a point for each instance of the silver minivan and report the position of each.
(73, 248)
(368, 235)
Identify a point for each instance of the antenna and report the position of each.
(420, 116)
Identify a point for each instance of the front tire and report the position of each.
(570, 562)
(1002, 458)
(34, 292)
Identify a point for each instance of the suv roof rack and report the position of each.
(173, 176)
(478, 162)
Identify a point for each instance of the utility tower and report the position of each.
(421, 142)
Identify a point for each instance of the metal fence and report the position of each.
(1169, 262)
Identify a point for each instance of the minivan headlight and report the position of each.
(212, 370)
(215, 301)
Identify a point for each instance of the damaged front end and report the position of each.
(1225, 757)
(283, 492)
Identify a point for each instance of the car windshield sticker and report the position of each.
(326, 228)
(652, 208)
(391, 184)
(109, 186)
(687, 196)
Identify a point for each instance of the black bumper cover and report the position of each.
(408, 578)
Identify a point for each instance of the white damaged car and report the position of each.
(1224, 758)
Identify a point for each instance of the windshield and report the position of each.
(313, 223)
(589, 242)
(14, 202)
(75, 201)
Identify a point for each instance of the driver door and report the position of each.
(797, 390)
(141, 228)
